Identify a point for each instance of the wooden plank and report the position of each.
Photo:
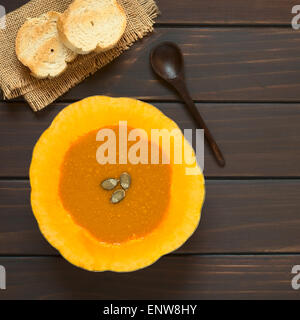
(214, 11)
(19, 233)
(226, 12)
(11, 5)
(256, 139)
(222, 64)
(238, 216)
(185, 277)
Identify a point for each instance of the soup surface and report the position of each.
(139, 213)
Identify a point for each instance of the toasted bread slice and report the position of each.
(39, 48)
(89, 25)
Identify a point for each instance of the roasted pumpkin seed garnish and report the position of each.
(117, 196)
(125, 180)
(109, 184)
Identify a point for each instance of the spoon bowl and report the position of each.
(167, 61)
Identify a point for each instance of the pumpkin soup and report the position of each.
(89, 205)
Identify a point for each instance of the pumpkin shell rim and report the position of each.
(149, 257)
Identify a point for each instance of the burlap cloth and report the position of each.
(15, 79)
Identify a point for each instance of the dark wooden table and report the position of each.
(243, 70)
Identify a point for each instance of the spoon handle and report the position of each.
(180, 87)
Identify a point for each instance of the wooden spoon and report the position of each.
(167, 62)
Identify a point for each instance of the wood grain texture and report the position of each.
(185, 277)
(226, 12)
(222, 64)
(213, 11)
(238, 216)
(256, 139)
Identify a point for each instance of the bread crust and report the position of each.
(87, 15)
(39, 47)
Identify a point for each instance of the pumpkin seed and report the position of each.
(125, 180)
(117, 196)
(109, 184)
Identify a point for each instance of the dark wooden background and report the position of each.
(243, 67)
